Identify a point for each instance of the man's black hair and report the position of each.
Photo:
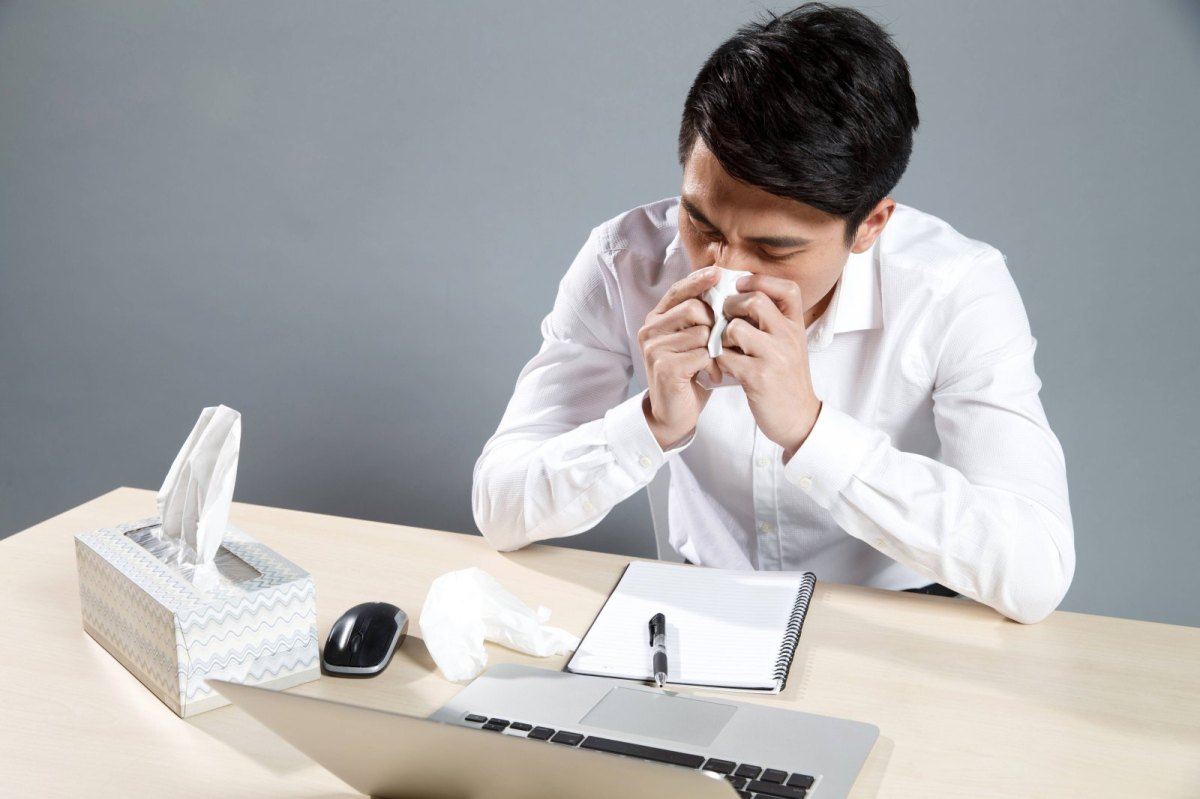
(815, 105)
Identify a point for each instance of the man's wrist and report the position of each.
(665, 436)
(789, 450)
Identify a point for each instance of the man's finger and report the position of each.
(690, 363)
(784, 293)
(757, 308)
(735, 364)
(688, 313)
(745, 336)
(694, 285)
(692, 338)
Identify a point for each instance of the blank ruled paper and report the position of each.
(725, 628)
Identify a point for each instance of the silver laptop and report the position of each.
(518, 731)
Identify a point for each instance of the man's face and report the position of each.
(728, 223)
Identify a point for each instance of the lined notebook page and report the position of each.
(725, 628)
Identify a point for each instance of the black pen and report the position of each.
(658, 643)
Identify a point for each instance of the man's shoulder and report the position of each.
(647, 230)
(925, 249)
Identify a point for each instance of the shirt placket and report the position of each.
(766, 506)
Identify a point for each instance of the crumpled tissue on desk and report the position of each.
(464, 608)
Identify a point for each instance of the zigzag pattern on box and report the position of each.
(234, 631)
(259, 672)
(118, 626)
(300, 592)
(141, 629)
(204, 665)
(172, 635)
(176, 593)
(300, 615)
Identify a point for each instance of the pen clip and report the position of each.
(658, 624)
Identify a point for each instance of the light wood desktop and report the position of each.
(968, 703)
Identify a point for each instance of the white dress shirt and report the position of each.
(931, 460)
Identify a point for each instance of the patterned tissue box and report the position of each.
(256, 625)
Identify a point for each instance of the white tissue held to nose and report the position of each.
(715, 297)
(464, 608)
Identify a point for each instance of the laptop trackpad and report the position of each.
(676, 718)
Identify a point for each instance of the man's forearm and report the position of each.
(531, 485)
(1002, 546)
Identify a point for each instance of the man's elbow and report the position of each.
(502, 533)
(1036, 603)
(501, 525)
(1036, 592)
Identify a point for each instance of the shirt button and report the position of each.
(588, 507)
(645, 462)
(766, 527)
(806, 483)
(764, 461)
(880, 543)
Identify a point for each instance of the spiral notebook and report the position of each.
(725, 628)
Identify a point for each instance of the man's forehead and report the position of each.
(713, 194)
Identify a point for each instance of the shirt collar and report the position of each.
(857, 302)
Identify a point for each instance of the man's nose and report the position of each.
(721, 256)
(724, 257)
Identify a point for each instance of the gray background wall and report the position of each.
(347, 220)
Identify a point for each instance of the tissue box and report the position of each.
(257, 625)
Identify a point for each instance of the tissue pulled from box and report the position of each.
(195, 496)
(466, 607)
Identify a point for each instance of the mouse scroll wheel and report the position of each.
(355, 642)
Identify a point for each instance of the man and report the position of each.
(884, 427)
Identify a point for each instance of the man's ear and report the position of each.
(872, 226)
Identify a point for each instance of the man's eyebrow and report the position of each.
(693, 211)
(781, 242)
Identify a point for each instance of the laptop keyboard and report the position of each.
(749, 780)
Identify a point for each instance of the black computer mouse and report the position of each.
(363, 640)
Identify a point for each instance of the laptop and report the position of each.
(518, 731)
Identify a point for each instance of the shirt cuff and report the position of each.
(834, 450)
(632, 444)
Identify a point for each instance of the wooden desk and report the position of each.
(968, 704)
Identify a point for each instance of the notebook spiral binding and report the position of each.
(791, 637)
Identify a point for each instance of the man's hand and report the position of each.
(674, 344)
(765, 349)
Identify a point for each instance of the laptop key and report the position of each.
(774, 789)
(490, 727)
(719, 766)
(744, 795)
(770, 775)
(522, 726)
(568, 738)
(644, 752)
(475, 718)
(502, 722)
(540, 733)
(800, 781)
(737, 782)
(746, 770)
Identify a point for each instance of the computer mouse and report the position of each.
(362, 642)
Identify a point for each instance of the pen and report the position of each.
(658, 644)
